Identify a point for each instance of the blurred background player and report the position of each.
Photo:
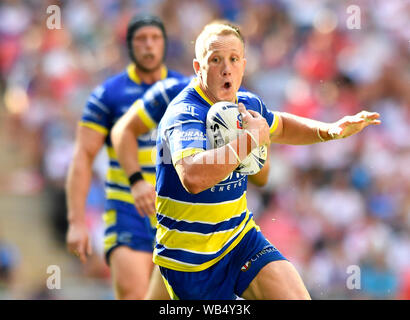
(143, 117)
(128, 237)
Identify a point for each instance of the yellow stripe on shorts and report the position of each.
(110, 218)
(110, 241)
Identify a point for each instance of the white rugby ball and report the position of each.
(224, 124)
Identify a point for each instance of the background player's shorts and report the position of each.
(125, 227)
(229, 277)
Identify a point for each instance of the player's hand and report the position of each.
(255, 124)
(78, 241)
(351, 125)
(144, 197)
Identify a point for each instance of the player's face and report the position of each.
(148, 46)
(222, 68)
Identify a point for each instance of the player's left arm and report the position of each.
(292, 129)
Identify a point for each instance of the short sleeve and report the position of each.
(270, 117)
(152, 106)
(97, 114)
(186, 138)
(255, 103)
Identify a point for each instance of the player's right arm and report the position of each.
(88, 144)
(202, 170)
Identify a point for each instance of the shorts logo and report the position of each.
(246, 266)
(267, 249)
(124, 237)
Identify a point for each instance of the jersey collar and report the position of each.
(197, 88)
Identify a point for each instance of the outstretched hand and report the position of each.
(351, 125)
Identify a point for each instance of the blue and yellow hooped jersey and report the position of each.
(194, 231)
(109, 101)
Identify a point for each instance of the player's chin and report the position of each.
(150, 66)
(227, 94)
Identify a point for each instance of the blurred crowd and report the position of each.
(326, 207)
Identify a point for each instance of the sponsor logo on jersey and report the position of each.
(190, 135)
(267, 249)
(189, 110)
(239, 122)
(233, 181)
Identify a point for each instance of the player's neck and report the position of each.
(149, 77)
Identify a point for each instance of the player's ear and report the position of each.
(244, 63)
(196, 66)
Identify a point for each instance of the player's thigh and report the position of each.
(131, 271)
(278, 280)
(157, 289)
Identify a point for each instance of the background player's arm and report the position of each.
(124, 136)
(88, 143)
(297, 130)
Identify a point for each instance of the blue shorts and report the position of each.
(229, 277)
(125, 227)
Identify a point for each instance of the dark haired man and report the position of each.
(128, 236)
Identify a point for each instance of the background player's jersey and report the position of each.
(194, 231)
(152, 106)
(105, 106)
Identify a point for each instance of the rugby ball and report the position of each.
(224, 124)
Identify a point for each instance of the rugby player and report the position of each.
(128, 241)
(207, 243)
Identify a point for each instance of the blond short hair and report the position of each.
(215, 28)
